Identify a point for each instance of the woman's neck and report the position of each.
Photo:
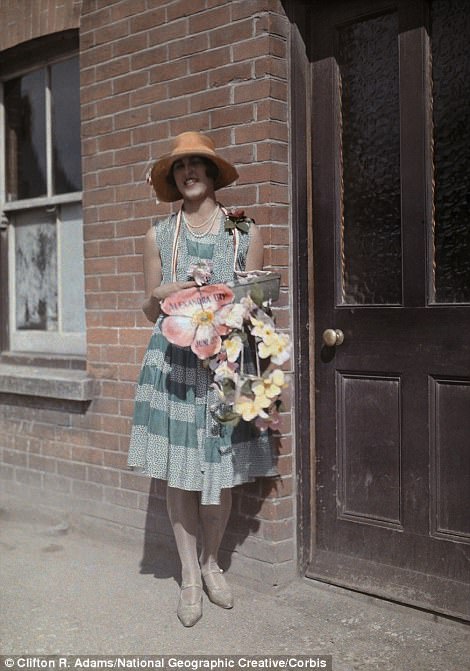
(200, 208)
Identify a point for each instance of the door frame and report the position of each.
(302, 277)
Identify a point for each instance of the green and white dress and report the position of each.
(174, 435)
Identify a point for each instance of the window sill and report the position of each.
(53, 383)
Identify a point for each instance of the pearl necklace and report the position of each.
(210, 220)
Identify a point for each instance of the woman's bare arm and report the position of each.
(255, 256)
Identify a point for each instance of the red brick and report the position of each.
(120, 10)
(96, 92)
(168, 32)
(112, 68)
(149, 94)
(199, 122)
(209, 59)
(112, 105)
(271, 109)
(194, 83)
(90, 455)
(234, 33)
(102, 336)
(117, 318)
(95, 55)
(121, 498)
(168, 109)
(232, 116)
(208, 100)
(57, 450)
(280, 256)
(87, 490)
(188, 46)
(205, 21)
(101, 301)
(129, 264)
(273, 151)
(147, 19)
(40, 463)
(274, 193)
(14, 457)
(157, 53)
(119, 247)
(118, 354)
(103, 476)
(131, 155)
(29, 478)
(182, 8)
(135, 482)
(130, 82)
(275, 67)
(115, 460)
(72, 470)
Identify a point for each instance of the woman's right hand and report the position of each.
(164, 290)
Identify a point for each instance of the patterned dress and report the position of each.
(174, 435)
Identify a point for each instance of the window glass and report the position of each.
(371, 230)
(36, 272)
(451, 112)
(26, 136)
(65, 89)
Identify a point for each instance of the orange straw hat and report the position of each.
(190, 143)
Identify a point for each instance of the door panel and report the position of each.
(393, 400)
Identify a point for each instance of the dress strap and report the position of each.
(236, 241)
(174, 255)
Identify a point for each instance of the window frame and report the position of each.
(41, 53)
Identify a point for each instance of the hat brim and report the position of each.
(167, 193)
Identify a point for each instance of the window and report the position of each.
(41, 203)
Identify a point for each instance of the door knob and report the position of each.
(333, 337)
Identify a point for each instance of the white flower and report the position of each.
(232, 315)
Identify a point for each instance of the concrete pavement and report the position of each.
(71, 591)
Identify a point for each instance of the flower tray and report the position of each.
(258, 281)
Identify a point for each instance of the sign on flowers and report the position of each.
(237, 339)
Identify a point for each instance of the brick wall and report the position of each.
(149, 71)
(24, 20)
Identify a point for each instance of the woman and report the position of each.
(174, 435)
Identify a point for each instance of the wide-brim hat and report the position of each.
(190, 143)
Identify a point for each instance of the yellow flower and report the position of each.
(233, 346)
(249, 408)
(278, 347)
(270, 386)
(262, 329)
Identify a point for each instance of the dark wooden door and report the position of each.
(391, 178)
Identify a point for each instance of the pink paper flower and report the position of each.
(201, 271)
(192, 318)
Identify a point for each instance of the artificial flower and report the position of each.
(237, 219)
(249, 408)
(233, 315)
(262, 328)
(270, 385)
(276, 346)
(201, 271)
(225, 371)
(233, 346)
(191, 320)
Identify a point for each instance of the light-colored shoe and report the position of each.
(217, 589)
(189, 613)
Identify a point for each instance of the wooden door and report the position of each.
(391, 178)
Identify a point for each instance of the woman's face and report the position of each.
(190, 175)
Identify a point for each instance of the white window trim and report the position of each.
(29, 341)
